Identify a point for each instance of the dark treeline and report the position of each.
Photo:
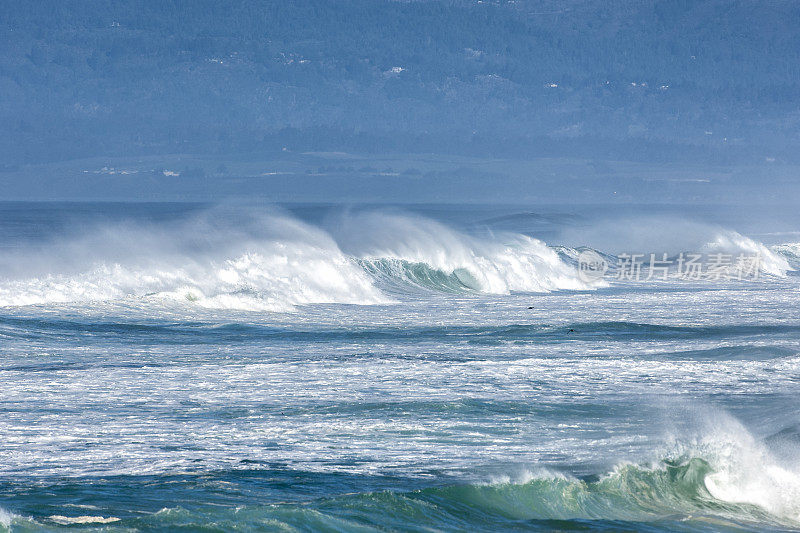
(646, 79)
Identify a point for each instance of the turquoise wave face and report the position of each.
(668, 496)
(399, 275)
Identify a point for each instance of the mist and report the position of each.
(376, 101)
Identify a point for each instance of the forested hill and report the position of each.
(650, 78)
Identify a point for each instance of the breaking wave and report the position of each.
(266, 262)
(790, 251)
(673, 492)
(397, 248)
(273, 262)
(723, 479)
(727, 241)
(270, 261)
(672, 236)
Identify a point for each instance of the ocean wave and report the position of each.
(399, 274)
(732, 485)
(661, 235)
(277, 280)
(731, 242)
(272, 262)
(252, 261)
(426, 253)
(724, 477)
(658, 497)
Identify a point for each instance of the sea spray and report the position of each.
(267, 260)
(425, 252)
(273, 262)
(660, 235)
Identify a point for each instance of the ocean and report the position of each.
(245, 367)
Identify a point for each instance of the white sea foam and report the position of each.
(270, 281)
(265, 262)
(70, 520)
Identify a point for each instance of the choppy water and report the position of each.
(182, 367)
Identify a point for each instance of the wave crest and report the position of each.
(230, 259)
(673, 493)
(426, 253)
(273, 262)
